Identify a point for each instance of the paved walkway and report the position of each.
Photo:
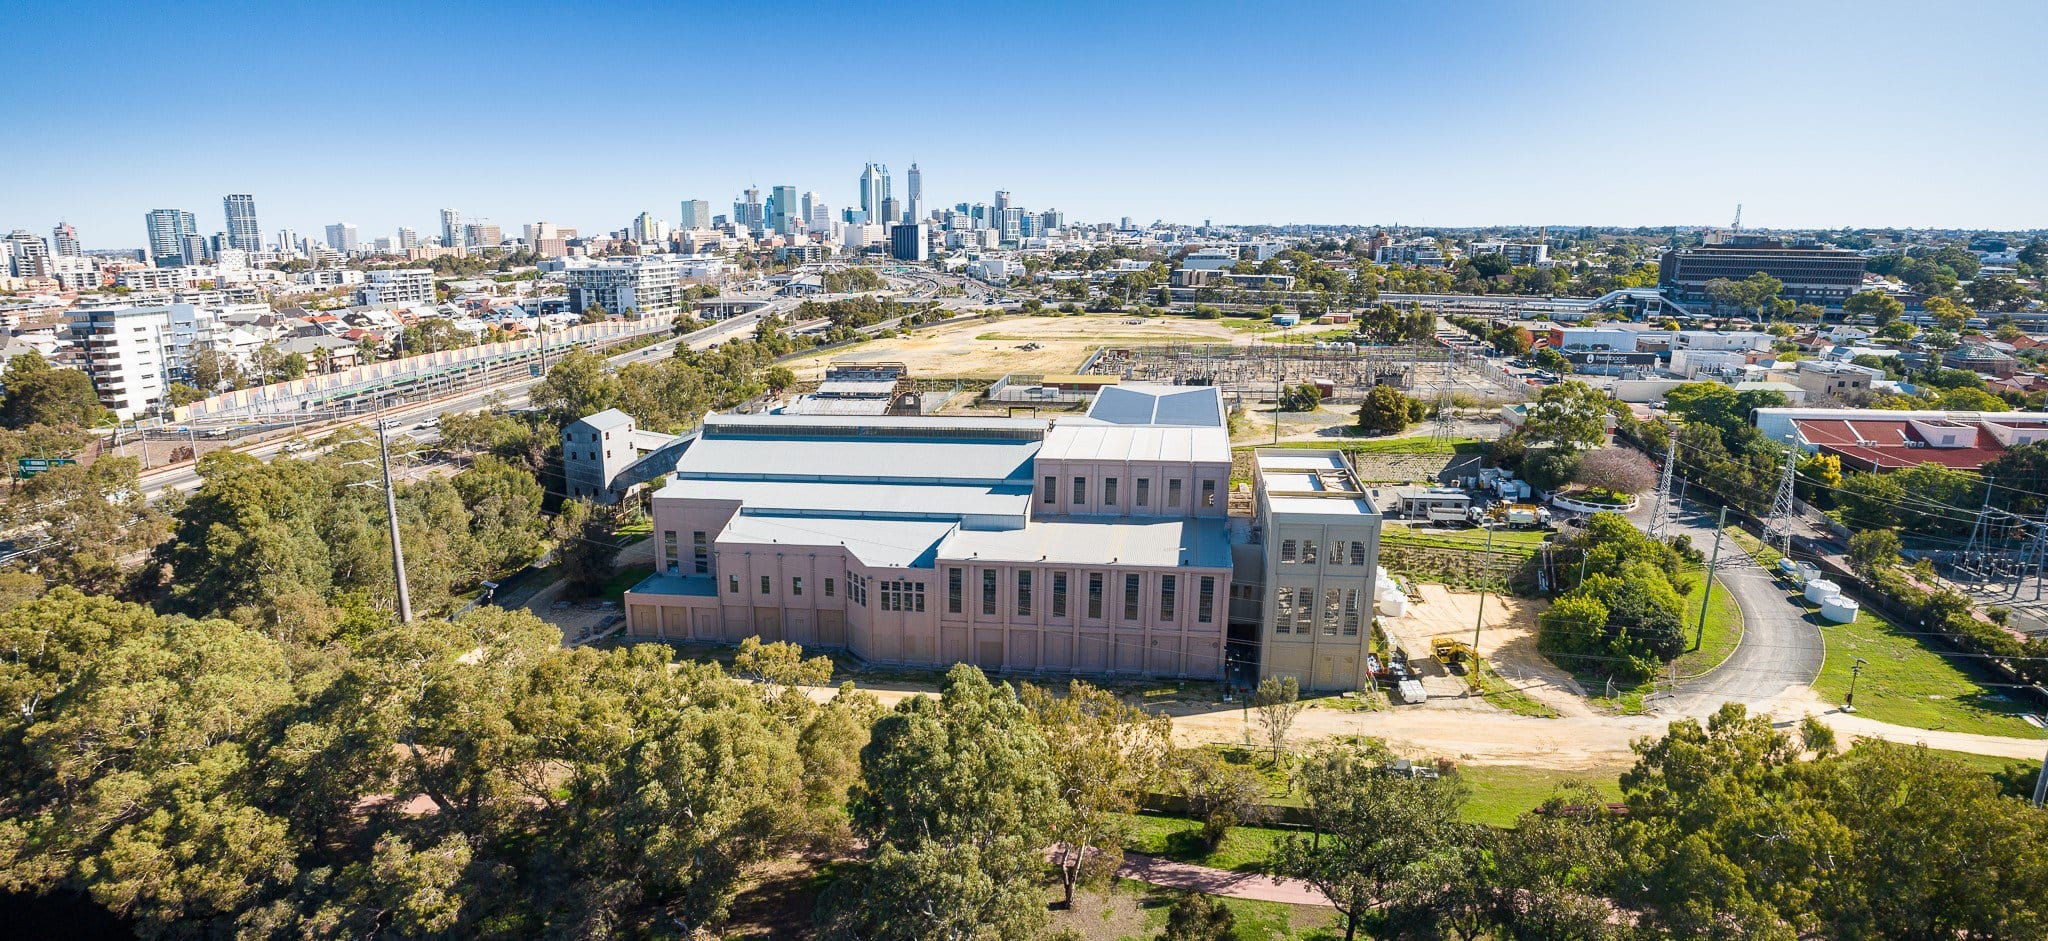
(1236, 885)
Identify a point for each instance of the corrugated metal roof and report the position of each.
(606, 420)
(1070, 442)
(1138, 404)
(894, 543)
(1163, 543)
(858, 459)
(872, 500)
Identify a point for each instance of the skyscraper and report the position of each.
(1002, 199)
(167, 231)
(341, 237)
(243, 232)
(787, 210)
(914, 211)
(749, 213)
(408, 238)
(31, 256)
(874, 187)
(65, 239)
(451, 228)
(696, 214)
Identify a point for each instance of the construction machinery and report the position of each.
(1450, 650)
(1520, 515)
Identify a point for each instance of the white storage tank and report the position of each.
(1393, 604)
(1838, 609)
(1818, 590)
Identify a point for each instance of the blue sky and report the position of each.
(1810, 114)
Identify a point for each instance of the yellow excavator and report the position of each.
(1450, 650)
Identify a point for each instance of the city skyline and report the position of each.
(1482, 115)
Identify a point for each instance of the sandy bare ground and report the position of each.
(1507, 641)
(989, 349)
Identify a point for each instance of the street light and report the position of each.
(1855, 670)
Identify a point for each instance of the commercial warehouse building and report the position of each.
(1096, 544)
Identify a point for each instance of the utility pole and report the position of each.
(1855, 670)
(1707, 593)
(2041, 779)
(1781, 507)
(391, 514)
(1974, 553)
(1485, 569)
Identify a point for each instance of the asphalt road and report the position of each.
(1779, 648)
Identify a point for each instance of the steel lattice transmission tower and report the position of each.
(1780, 524)
(1664, 486)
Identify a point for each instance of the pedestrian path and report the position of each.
(1236, 885)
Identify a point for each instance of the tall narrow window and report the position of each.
(732, 584)
(828, 587)
(1166, 598)
(700, 552)
(1024, 593)
(953, 587)
(988, 592)
(1059, 594)
(1052, 489)
(671, 557)
(1205, 599)
(1080, 490)
(1357, 552)
(1283, 611)
(1331, 611)
(1208, 493)
(766, 586)
(1130, 597)
(1351, 616)
(1173, 492)
(1308, 551)
(1094, 594)
(1286, 550)
(1144, 494)
(1304, 610)
(1109, 491)
(796, 586)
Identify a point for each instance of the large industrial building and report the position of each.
(1096, 544)
(1812, 273)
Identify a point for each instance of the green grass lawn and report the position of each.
(1723, 631)
(1244, 849)
(1513, 541)
(1255, 921)
(1906, 682)
(1501, 793)
(623, 579)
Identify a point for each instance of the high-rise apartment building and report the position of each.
(482, 234)
(408, 238)
(243, 232)
(633, 287)
(451, 228)
(30, 257)
(817, 215)
(341, 236)
(914, 193)
(748, 213)
(397, 286)
(288, 242)
(696, 214)
(130, 352)
(64, 240)
(167, 231)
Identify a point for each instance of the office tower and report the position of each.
(482, 234)
(1002, 199)
(1011, 222)
(341, 237)
(909, 242)
(748, 213)
(874, 187)
(696, 214)
(892, 211)
(408, 238)
(817, 215)
(1052, 220)
(451, 228)
(787, 210)
(914, 195)
(31, 256)
(243, 233)
(288, 241)
(167, 231)
(65, 239)
(646, 229)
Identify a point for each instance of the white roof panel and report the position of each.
(893, 543)
(1162, 543)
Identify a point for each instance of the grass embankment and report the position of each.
(1503, 694)
(1723, 626)
(1500, 793)
(1908, 678)
(1522, 542)
(1412, 444)
(1244, 849)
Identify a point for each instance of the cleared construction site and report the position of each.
(1344, 371)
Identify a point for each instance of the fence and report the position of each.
(1026, 389)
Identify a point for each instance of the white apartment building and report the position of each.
(1519, 254)
(1210, 259)
(150, 279)
(331, 277)
(129, 352)
(649, 286)
(397, 286)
